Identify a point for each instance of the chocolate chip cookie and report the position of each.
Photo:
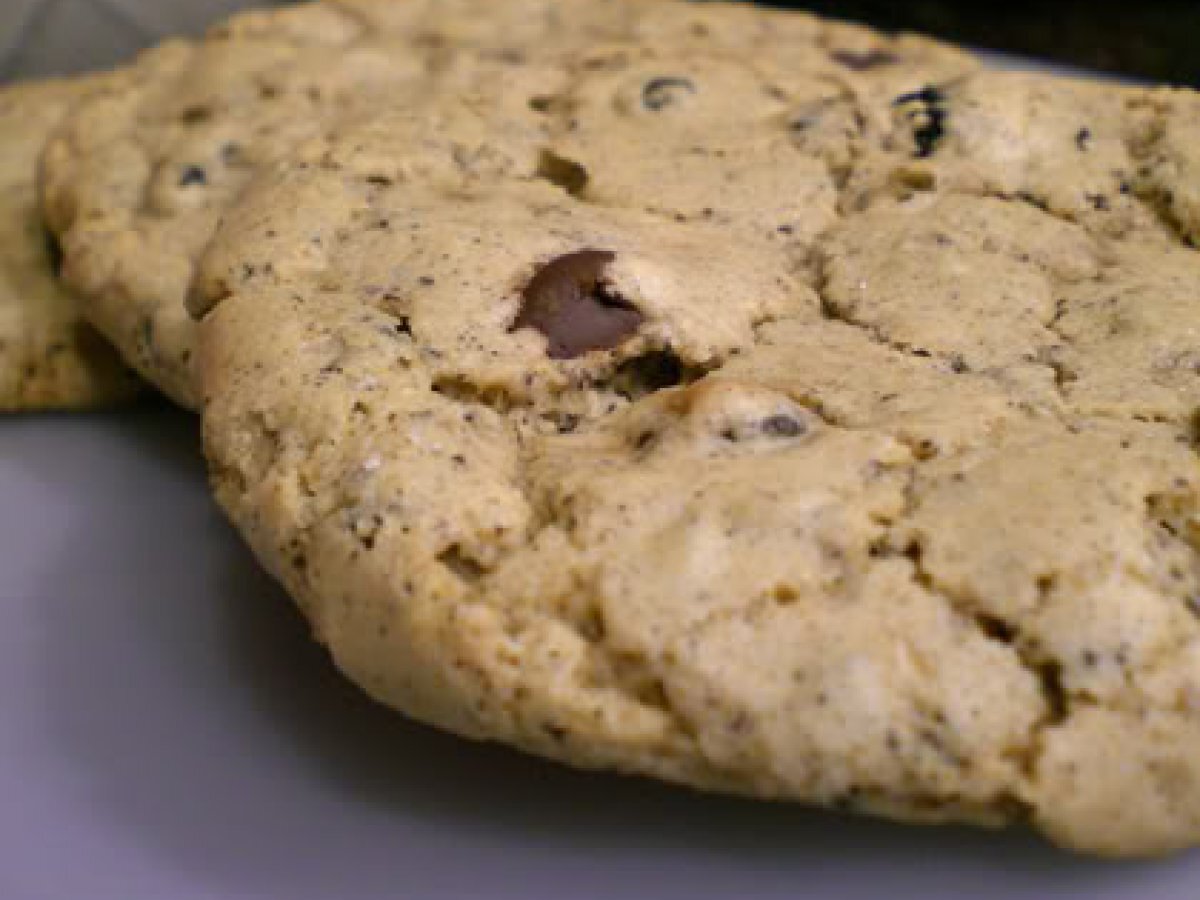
(788, 423)
(145, 172)
(49, 357)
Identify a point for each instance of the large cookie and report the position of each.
(674, 419)
(49, 358)
(137, 182)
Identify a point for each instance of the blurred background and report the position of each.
(1157, 40)
(1153, 39)
(47, 37)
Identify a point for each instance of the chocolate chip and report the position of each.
(568, 301)
(928, 95)
(782, 426)
(861, 61)
(665, 90)
(54, 254)
(193, 175)
(928, 118)
(1083, 137)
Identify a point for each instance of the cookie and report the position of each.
(882, 500)
(49, 357)
(849, 460)
(144, 172)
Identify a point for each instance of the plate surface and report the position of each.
(169, 731)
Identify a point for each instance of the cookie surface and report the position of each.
(789, 423)
(49, 358)
(145, 171)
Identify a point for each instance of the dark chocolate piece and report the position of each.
(928, 117)
(568, 301)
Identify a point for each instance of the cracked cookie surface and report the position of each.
(144, 171)
(49, 357)
(756, 427)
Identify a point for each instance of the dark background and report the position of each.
(1153, 39)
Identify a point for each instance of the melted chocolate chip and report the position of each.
(54, 254)
(568, 301)
(663, 91)
(193, 175)
(928, 117)
(861, 61)
(1083, 138)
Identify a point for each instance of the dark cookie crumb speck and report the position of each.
(566, 173)
(783, 426)
(195, 115)
(193, 175)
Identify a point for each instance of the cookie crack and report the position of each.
(1046, 670)
(832, 311)
(1047, 355)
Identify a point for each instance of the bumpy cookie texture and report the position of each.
(847, 459)
(1119, 161)
(49, 357)
(144, 172)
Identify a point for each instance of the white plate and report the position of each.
(169, 732)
